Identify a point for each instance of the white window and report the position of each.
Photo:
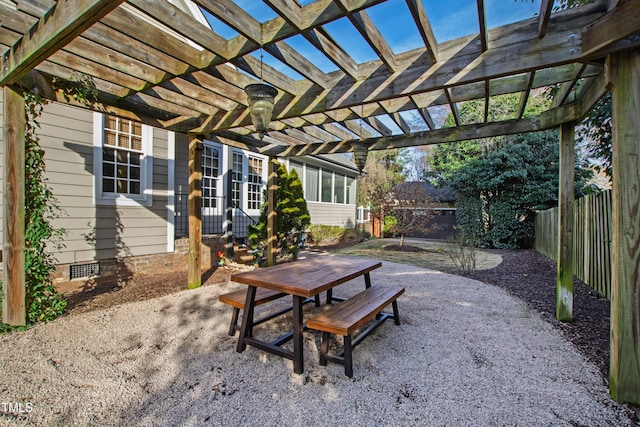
(254, 192)
(351, 190)
(327, 186)
(338, 191)
(210, 176)
(236, 184)
(122, 164)
(311, 184)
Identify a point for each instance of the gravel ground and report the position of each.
(466, 353)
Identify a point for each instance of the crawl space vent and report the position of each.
(84, 270)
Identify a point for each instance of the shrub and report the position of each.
(324, 234)
(292, 213)
(462, 253)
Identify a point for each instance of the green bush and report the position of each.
(323, 234)
(390, 222)
(292, 213)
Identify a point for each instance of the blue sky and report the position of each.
(449, 18)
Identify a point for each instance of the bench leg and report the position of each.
(348, 364)
(298, 329)
(246, 328)
(324, 348)
(234, 321)
(396, 315)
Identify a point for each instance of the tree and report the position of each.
(292, 213)
(410, 207)
(446, 159)
(501, 181)
(500, 191)
(595, 132)
(383, 173)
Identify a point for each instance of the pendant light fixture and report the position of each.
(360, 149)
(261, 98)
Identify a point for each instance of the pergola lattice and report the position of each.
(151, 61)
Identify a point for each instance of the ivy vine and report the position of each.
(43, 301)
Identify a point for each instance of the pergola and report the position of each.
(151, 61)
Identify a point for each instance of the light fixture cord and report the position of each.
(261, 56)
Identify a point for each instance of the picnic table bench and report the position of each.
(306, 279)
(347, 317)
(236, 299)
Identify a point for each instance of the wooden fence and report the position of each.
(592, 239)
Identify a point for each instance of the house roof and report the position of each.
(437, 194)
(152, 61)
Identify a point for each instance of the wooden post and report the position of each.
(195, 212)
(13, 283)
(272, 219)
(229, 210)
(624, 377)
(564, 287)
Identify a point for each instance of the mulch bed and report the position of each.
(403, 248)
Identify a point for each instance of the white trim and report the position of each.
(171, 207)
(146, 182)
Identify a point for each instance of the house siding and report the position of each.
(94, 232)
(332, 214)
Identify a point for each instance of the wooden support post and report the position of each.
(624, 372)
(229, 212)
(564, 287)
(13, 282)
(272, 218)
(195, 212)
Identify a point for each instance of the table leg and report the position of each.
(246, 329)
(367, 280)
(298, 338)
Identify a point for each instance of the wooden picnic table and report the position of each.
(302, 279)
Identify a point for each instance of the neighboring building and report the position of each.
(123, 189)
(443, 212)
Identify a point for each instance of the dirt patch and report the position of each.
(100, 294)
(403, 248)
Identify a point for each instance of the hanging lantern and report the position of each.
(261, 99)
(360, 152)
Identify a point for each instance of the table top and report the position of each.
(308, 277)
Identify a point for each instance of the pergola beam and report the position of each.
(524, 97)
(419, 14)
(482, 24)
(621, 22)
(371, 34)
(546, 6)
(67, 19)
(546, 120)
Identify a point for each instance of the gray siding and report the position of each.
(182, 164)
(332, 214)
(98, 232)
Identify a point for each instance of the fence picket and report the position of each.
(592, 239)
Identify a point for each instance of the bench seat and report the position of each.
(347, 317)
(237, 299)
